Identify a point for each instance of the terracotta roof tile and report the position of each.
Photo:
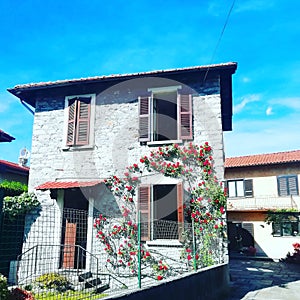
(13, 165)
(119, 76)
(263, 159)
(67, 184)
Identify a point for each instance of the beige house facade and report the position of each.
(258, 185)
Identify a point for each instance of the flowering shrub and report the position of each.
(17, 205)
(205, 210)
(20, 294)
(295, 256)
(3, 287)
(53, 281)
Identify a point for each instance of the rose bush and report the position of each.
(205, 209)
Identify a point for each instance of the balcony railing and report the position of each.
(262, 203)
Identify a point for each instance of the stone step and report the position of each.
(82, 277)
(93, 283)
(102, 288)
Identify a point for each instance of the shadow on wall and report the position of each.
(105, 202)
(241, 240)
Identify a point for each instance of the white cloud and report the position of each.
(246, 100)
(251, 136)
(246, 79)
(290, 102)
(6, 102)
(269, 111)
(253, 5)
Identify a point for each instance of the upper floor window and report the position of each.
(79, 112)
(287, 185)
(166, 115)
(240, 188)
(161, 208)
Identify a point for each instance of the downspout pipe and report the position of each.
(26, 106)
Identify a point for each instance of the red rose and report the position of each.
(189, 257)
(159, 277)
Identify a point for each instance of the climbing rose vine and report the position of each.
(204, 210)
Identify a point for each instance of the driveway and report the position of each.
(261, 279)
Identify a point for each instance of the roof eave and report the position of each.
(229, 67)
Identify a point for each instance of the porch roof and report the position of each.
(67, 184)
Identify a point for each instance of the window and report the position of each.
(240, 188)
(166, 115)
(161, 208)
(287, 185)
(79, 111)
(285, 228)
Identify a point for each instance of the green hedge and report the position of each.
(13, 188)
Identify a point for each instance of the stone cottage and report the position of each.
(90, 128)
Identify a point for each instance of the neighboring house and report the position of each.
(13, 172)
(257, 184)
(9, 170)
(5, 137)
(87, 129)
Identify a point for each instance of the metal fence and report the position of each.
(56, 255)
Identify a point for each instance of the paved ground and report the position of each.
(260, 279)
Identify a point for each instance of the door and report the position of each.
(74, 230)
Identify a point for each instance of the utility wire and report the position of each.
(220, 38)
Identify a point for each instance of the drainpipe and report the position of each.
(26, 106)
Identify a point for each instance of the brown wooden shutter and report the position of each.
(185, 117)
(144, 208)
(83, 121)
(144, 119)
(180, 210)
(71, 122)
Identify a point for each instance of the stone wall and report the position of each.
(209, 283)
(116, 143)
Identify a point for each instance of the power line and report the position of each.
(220, 38)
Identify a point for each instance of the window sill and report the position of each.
(164, 243)
(240, 197)
(158, 143)
(77, 148)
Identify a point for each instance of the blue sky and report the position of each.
(53, 40)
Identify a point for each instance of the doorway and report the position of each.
(74, 229)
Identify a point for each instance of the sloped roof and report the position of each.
(14, 166)
(5, 137)
(119, 76)
(67, 184)
(263, 159)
